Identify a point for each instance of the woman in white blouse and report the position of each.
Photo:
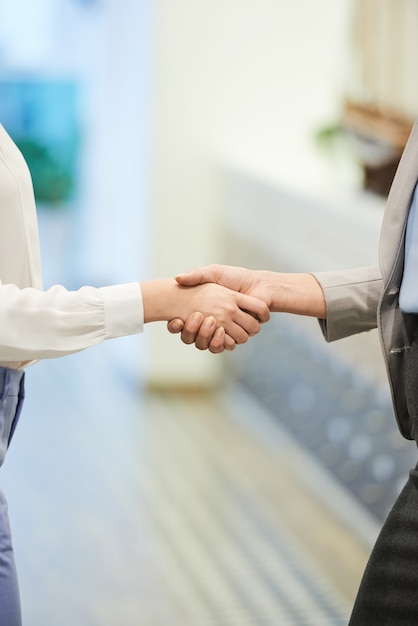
(37, 324)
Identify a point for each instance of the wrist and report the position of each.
(296, 293)
(157, 297)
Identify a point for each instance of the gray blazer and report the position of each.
(367, 297)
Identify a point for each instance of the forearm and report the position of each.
(300, 294)
(345, 302)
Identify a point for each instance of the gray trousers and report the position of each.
(11, 400)
(388, 594)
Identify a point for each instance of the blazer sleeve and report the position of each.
(352, 297)
(37, 324)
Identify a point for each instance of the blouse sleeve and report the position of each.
(37, 324)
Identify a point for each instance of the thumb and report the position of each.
(193, 277)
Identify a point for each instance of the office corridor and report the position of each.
(245, 507)
(171, 509)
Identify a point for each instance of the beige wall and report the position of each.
(385, 54)
(244, 82)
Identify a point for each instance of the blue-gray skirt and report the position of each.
(12, 393)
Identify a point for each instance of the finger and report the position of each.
(229, 343)
(247, 322)
(256, 307)
(191, 328)
(237, 332)
(217, 343)
(206, 333)
(175, 326)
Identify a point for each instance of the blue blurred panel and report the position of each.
(42, 117)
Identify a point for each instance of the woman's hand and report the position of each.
(239, 279)
(240, 315)
(203, 332)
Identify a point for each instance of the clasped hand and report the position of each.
(224, 328)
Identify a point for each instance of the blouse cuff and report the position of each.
(123, 309)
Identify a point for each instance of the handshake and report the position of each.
(218, 307)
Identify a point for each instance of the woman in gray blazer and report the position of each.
(346, 303)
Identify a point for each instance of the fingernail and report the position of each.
(219, 333)
(208, 323)
(176, 324)
(196, 319)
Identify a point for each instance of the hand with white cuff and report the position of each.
(227, 316)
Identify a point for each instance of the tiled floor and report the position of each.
(334, 410)
(133, 509)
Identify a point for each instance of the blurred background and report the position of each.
(151, 484)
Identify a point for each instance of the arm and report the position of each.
(292, 293)
(282, 292)
(36, 325)
(344, 302)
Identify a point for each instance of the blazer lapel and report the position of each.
(398, 203)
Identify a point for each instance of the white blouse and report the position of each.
(37, 324)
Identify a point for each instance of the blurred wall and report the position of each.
(103, 45)
(240, 82)
(175, 92)
(384, 55)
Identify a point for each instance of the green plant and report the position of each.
(52, 174)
